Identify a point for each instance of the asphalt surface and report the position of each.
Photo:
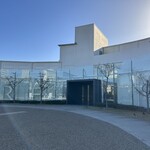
(37, 129)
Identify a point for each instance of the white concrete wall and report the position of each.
(87, 39)
(100, 39)
(123, 52)
(29, 65)
(84, 36)
(81, 53)
(47, 65)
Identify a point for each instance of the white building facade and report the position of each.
(79, 60)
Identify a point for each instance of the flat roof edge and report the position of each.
(17, 61)
(67, 44)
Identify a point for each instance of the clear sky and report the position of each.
(30, 30)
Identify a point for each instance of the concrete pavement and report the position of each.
(138, 128)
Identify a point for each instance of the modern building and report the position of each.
(79, 61)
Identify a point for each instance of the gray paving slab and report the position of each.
(138, 128)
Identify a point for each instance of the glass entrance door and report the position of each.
(86, 94)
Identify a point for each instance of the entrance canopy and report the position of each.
(84, 92)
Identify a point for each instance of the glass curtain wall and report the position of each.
(27, 82)
(27, 88)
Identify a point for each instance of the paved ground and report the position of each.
(56, 128)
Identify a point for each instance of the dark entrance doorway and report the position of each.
(84, 92)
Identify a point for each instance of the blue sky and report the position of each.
(30, 30)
